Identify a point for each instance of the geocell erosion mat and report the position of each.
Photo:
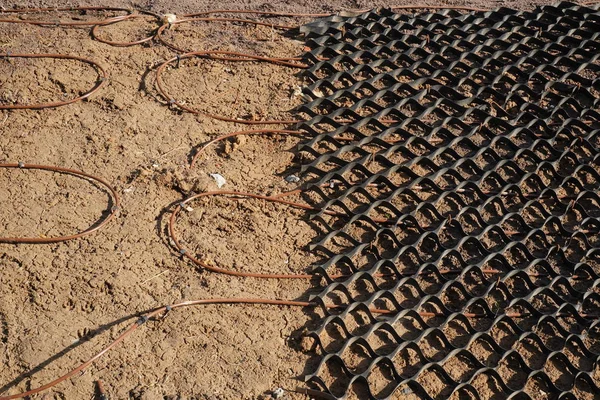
(457, 158)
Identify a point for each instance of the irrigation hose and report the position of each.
(263, 132)
(277, 198)
(99, 225)
(258, 12)
(291, 62)
(317, 15)
(133, 327)
(205, 264)
(194, 17)
(96, 34)
(164, 310)
(201, 16)
(155, 313)
(168, 26)
(100, 82)
(110, 20)
(241, 133)
(226, 56)
(237, 20)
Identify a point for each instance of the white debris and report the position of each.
(169, 18)
(278, 393)
(292, 179)
(219, 179)
(407, 391)
(317, 93)
(297, 91)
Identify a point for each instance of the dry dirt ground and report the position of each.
(60, 303)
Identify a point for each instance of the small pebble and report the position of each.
(278, 393)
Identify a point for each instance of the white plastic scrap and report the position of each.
(407, 390)
(278, 393)
(317, 93)
(169, 18)
(292, 179)
(297, 91)
(219, 179)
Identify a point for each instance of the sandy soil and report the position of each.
(60, 303)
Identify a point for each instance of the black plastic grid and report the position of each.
(461, 153)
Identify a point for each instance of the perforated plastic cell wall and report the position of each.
(460, 156)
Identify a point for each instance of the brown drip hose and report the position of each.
(278, 199)
(204, 264)
(234, 56)
(239, 133)
(92, 229)
(101, 81)
(163, 311)
(160, 31)
(201, 17)
(274, 199)
(96, 34)
(59, 9)
(136, 325)
(227, 56)
(317, 15)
